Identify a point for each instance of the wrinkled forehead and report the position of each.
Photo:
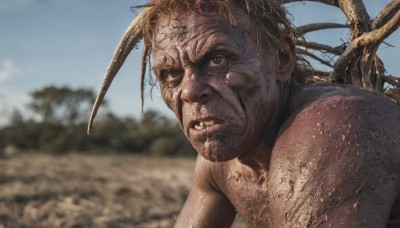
(178, 28)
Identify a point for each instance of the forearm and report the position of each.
(211, 209)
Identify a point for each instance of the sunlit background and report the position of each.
(135, 169)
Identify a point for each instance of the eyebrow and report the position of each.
(222, 44)
(163, 65)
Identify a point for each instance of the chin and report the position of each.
(217, 151)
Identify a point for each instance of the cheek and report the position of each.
(245, 76)
(247, 86)
(167, 95)
(170, 97)
(254, 91)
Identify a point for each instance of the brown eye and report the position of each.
(172, 74)
(172, 77)
(217, 61)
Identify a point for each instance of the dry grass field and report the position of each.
(75, 190)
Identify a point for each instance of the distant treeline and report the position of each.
(59, 119)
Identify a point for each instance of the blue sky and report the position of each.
(60, 42)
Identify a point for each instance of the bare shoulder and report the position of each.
(346, 118)
(338, 155)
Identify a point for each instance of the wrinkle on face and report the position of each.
(186, 54)
(238, 94)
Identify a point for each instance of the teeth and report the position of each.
(203, 124)
(209, 122)
(199, 126)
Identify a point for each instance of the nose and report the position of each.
(195, 89)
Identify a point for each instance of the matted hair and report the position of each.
(268, 17)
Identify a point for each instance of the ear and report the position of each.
(286, 60)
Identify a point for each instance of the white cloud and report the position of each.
(8, 70)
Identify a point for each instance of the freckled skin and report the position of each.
(279, 154)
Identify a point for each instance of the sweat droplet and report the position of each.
(343, 137)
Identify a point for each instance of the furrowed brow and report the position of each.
(221, 45)
(201, 51)
(166, 62)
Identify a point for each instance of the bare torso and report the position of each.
(279, 154)
(247, 191)
(326, 156)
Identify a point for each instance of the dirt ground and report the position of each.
(76, 190)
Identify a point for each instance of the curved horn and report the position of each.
(129, 40)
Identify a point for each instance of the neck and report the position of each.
(259, 158)
(281, 113)
(258, 161)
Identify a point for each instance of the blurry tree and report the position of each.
(109, 134)
(21, 133)
(4, 109)
(63, 114)
(153, 134)
(62, 104)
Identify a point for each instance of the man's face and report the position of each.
(213, 77)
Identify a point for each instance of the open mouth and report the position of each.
(203, 124)
(200, 125)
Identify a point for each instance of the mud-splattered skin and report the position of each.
(279, 154)
(205, 75)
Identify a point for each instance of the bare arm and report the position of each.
(205, 206)
(336, 165)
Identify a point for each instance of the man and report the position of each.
(278, 153)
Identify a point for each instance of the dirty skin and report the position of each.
(277, 153)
